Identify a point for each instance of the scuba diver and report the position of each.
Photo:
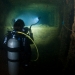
(18, 47)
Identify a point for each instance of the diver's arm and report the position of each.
(5, 40)
(6, 37)
(31, 34)
(4, 46)
(28, 31)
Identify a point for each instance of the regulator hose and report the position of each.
(33, 43)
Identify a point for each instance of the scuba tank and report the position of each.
(13, 55)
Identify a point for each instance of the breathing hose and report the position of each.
(33, 43)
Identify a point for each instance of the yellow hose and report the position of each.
(33, 43)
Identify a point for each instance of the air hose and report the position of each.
(33, 43)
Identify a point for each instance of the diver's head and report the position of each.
(19, 25)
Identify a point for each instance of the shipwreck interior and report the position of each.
(53, 34)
